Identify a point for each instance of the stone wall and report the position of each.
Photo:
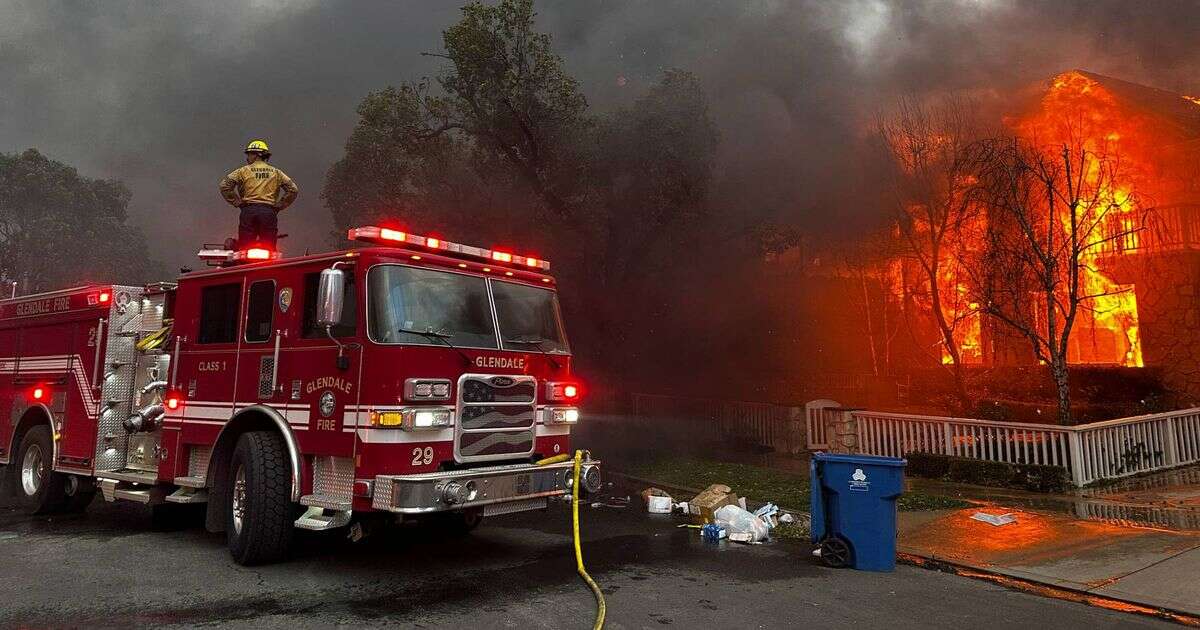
(1167, 287)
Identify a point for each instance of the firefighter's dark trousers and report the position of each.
(258, 226)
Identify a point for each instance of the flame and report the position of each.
(1076, 105)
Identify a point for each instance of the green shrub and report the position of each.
(980, 472)
(1032, 477)
(1041, 478)
(928, 465)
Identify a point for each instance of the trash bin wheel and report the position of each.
(835, 552)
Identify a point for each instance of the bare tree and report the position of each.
(1053, 212)
(868, 263)
(930, 193)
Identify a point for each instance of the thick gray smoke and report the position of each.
(164, 94)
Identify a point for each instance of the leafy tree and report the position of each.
(502, 147)
(58, 228)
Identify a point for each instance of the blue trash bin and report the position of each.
(854, 509)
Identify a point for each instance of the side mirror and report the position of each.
(331, 297)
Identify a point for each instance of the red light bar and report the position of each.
(386, 236)
(255, 253)
(38, 393)
(104, 297)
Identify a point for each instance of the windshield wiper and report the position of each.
(438, 335)
(537, 343)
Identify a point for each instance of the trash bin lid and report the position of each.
(873, 460)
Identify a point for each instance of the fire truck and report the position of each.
(409, 376)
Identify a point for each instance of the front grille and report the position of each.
(496, 417)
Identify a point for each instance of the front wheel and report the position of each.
(40, 490)
(261, 514)
(461, 522)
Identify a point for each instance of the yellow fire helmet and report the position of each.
(257, 146)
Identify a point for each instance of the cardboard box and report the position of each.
(712, 499)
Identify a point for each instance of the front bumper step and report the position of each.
(498, 489)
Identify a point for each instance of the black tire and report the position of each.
(39, 489)
(835, 552)
(79, 494)
(261, 515)
(460, 523)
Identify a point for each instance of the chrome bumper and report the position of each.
(526, 484)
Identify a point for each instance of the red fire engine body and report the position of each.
(412, 377)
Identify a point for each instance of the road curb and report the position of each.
(1045, 589)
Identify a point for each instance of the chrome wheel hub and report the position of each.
(239, 499)
(31, 470)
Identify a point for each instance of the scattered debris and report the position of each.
(658, 505)
(653, 492)
(713, 532)
(767, 514)
(743, 526)
(786, 518)
(993, 519)
(613, 502)
(703, 506)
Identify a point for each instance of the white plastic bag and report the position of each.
(738, 521)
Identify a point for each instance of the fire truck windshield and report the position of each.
(409, 305)
(452, 305)
(529, 316)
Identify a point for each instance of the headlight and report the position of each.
(427, 389)
(562, 415)
(413, 418)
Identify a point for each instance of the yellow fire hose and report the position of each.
(600, 607)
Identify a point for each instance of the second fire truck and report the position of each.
(413, 376)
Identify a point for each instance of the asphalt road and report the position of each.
(109, 568)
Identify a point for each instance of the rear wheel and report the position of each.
(40, 490)
(261, 514)
(835, 552)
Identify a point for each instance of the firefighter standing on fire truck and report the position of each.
(255, 188)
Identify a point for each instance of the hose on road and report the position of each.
(600, 607)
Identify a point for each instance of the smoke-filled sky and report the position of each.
(164, 95)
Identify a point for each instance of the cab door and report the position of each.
(261, 372)
(323, 392)
(208, 363)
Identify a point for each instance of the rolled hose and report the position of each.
(600, 608)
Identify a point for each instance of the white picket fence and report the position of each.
(1104, 450)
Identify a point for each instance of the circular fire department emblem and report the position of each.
(328, 402)
(285, 299)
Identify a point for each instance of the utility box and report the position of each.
(854, 509)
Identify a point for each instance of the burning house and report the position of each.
(1141, 270)
(1141, 266)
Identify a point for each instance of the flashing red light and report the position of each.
(258, 253)
(38, 393)
(571, 392)
(391, 235)
(105, 296)
(433, 242)
(532, 262)
(502, 256)
(172, 402)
